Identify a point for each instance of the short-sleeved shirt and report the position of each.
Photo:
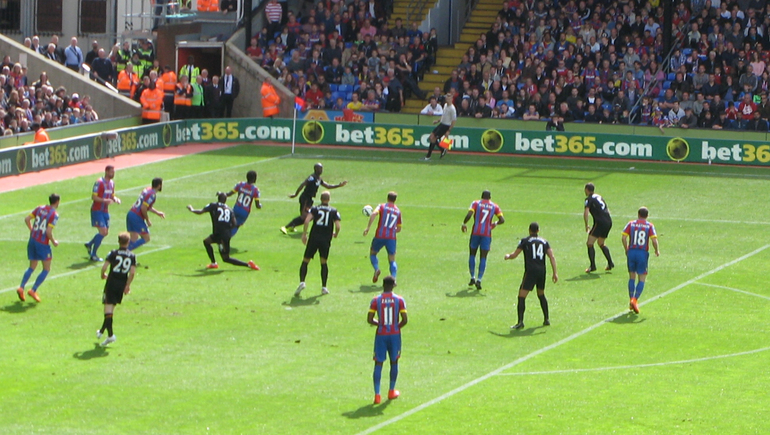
(311, 186)
(450, 114)
(121, 261)
(222, 217)
(388, 307)
(45, 216)
(598, 208)
(105, 190)
(246, 194)
(534, 250)
(147, 197)
(324, 218)
(483, 212)
(390, 221)
(639, 232)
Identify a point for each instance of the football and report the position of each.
(367, 210)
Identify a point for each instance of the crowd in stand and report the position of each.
(601, 61)
(337, 56)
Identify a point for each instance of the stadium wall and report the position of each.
(622, 147)
(69, 131)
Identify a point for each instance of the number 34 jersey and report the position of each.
(324, 218)
(121, 261)
(222, 217)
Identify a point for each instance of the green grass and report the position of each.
(230, 351)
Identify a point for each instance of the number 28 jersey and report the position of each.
(639, 232)
(390, 221)
(121, 261)
(222, 217)
(534, 250)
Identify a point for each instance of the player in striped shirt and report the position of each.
(248, 194)
(41, 223)
(390, 309)
(138, 219)
(482, 211)
(636, 241)
(102, 195)
(388, 225)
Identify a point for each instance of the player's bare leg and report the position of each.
(591, 253)
(544, 306)
(606, 251)
(520, 308)
(433, 141)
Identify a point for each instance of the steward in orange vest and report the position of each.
(208, 5)
(40, 134)
(152, 104)
(182, 98)
(270, 100)
(128, 80)
(169, 88)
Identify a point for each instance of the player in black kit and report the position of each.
(326, 225)
(310, 186)
(597, 207)
(535, 249)
(122, 264)
(222, 223)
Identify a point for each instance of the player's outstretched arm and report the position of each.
(513, 255)
(333, 186)
(158, 212)
(299, 189)
(104, 269)
(370, 319)
(371, 219)
(555, 276)
(190, 207)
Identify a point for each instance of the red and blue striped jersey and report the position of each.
(147, 197)
(639, 232)
(45, 216)
(483, 212)
(388, 307)
(105, 190)
(246, 193)
(390, 221)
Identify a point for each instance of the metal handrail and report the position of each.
(665, 61)
(415, 9)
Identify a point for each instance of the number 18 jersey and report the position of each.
(639, 232)
(390, 221)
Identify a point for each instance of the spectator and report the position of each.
(689, 120)
(197, 99)
(555, 124)
(93, 54)
(355, 104)
(101, 68)
(746, 109)
(433, 108)
(757, 123)
(152, 104)
(73, 55)
(274, 15)
(213, 98)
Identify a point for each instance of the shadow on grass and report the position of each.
(627, 319)
(584, 277)
(532, 173)
(18, 307)
(82, 265)
(526, 332)
(370, 410)
(298, 301)
(202, 272)
(467, 293)
(367, 289)
(237, 251)
(96, 352)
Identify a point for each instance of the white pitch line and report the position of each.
(638, 366)
(579, 334)
(734, 290)
(170, 180)
(95, 266)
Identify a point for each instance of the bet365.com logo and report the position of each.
(677, 149)
(313, 132)
(492, 141)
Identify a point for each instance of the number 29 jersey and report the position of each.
(121, 261)
(535, 250)
(390, 221)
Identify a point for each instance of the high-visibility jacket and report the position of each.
(123, 57)
(208, 5)
(139, 69)
(159, 83)
(197, 96)
(183, 95)
(41, 135)
(127, 83)
(169, 82)
(270, 100)
(152, 103)
(191, 75)
(146, 57)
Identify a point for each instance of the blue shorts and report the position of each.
(637, 261)
(389, 244)
(135, 224)
(484, 242)
(38, 251)
(240, 216)
(387, 345)
(100, 219)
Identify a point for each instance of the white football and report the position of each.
(367, 210)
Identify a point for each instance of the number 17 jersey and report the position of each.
(390, 221)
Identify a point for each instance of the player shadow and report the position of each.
(526, 332)
(584, 277)
(530, 173)
(370, 410)
(467, 293)
(298, 301)
(18, 307)
(367, 289)
(96, 352)
(81, 265)
(203, 272)
(628, 319)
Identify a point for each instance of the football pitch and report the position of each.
(231, 351)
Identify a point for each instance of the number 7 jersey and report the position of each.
(390, 221)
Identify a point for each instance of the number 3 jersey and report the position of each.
(534, 249)
(324, 217)
(222, 218)
(121, 261)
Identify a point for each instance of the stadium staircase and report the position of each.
(449, 57)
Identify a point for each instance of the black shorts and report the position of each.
(304, 204)
(440, 131)
(601, 229)
(320, 246)
(113, 292)
(223, 240)
(533, 279)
